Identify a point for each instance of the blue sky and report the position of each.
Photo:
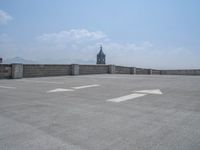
(143, 33)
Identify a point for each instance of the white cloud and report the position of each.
(73, 45)
(4, 17)
(74, 35)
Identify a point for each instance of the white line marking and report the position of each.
(155, 91)
(125, 98)
(41, 81)
(60, 90)
(7, 87)
(86, 86)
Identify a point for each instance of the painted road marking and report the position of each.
(126, 97)
(60, 90)
(135, 95)
(74, 88)
(7, 87)
(85, 86)
(154, 91)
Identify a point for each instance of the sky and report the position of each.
(163, 34)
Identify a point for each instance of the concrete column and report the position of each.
(150, 71)
(111, 69)
(75, 69)
(133, 70)
(17, 71)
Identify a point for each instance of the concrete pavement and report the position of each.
(78, 114)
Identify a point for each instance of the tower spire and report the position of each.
(101, 47)
(101, 57)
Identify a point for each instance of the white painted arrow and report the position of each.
(73, 88)
(85, 86)
(137, 94)
(59, 90)
(125, 98)
(154, 91)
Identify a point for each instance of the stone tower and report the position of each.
(101, 57)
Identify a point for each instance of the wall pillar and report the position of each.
(75, 69)
(17, 71)
(150, 71)
(111, 69)
(133, 70)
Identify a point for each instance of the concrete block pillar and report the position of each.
(111, 69)
(150, 71)
(75, 69)
(133, 70)
(17, 71)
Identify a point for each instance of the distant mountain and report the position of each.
(18, 60)
(47, 61)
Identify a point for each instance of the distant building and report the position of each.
(101, 57)
(1, 60)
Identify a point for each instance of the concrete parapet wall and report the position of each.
(5, 71)
(156, 72)
(93, 69)
(43, 70)
(181, 72)
(122, 70)
(142, 71)
(46, 70)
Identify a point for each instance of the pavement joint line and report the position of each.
(50, 82)
(7, 87)
(98, 77)
(85, 86)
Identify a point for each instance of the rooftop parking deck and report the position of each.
(100, 112)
